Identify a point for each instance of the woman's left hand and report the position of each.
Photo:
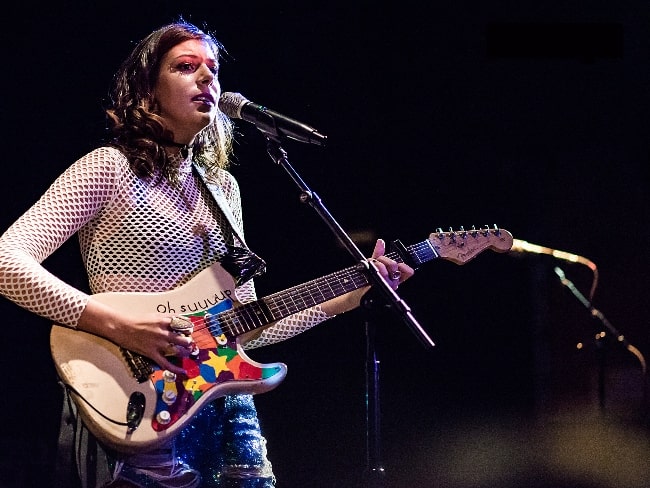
(392, 271)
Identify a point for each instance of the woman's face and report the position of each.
(187, 90)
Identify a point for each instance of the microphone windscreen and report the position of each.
(231, 103)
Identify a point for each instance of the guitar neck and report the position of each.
(272, 308)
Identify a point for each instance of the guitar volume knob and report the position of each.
(169, 396)
(163, 417)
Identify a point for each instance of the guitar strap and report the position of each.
(242, 263)
(222, 203)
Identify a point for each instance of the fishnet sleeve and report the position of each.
(62, 210)
(289, 326)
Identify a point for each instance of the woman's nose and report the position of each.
(206, 77)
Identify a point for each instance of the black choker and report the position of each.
(184, 148)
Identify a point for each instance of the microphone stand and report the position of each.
(600, 347)
(375, 472)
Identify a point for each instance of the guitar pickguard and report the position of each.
(206, 369)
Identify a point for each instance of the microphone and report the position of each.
(273, 124)
(519, 246)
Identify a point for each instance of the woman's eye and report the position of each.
(186, 67)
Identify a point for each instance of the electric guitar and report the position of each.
(130, 404)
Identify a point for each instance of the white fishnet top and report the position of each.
(134, 235)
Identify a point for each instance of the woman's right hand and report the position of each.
(149, 334)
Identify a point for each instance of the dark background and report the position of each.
(531, 116)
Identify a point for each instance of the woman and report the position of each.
(147, 223)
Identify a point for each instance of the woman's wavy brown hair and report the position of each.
(136, 128)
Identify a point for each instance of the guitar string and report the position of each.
(227, 321)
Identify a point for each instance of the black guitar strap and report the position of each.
(242, 263)
(222, 203)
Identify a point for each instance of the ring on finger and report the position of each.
(181, 325)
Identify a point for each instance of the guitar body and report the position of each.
(109, 395)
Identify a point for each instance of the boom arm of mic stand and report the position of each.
(279, 156)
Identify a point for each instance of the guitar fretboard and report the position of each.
(272, 308)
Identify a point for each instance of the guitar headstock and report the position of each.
(462, 245)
